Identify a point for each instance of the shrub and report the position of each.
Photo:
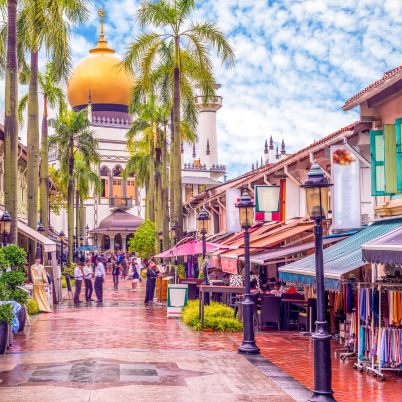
(20, 296)
(181, 273)
(144, 239)
(6, 313)
(12, 279)
(15, 256)
(5, 292)
(32, 307)
(217, 316)
(64, 283)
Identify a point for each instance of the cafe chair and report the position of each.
(291, 311)
(270, 310)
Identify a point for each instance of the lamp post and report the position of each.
(87, 234)
(61, 238)
(317, 188)
(202, 219)
(40, 229)
(246, 215)
(173, 230)
(5, 227)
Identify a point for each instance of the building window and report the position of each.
(117, 187)
(131, 188)
(189, 192)
(201, 188)
(103, 188)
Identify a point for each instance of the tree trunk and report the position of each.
(171, 181)
(11, 124)
(158, 184)
(147, 197)
(151, 188)
(44, 171)
(33, 150)
(82, 219)
(70, 204)
(77, 217)
(165, 192)
(176, 157)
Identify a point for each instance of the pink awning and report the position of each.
(193, 247)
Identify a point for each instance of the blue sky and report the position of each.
(297, 61)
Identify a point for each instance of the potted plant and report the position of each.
(6, 316)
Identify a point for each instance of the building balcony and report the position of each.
(195, 167)
(121, 203)
(213, 103)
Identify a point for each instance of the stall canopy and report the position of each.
(339, 259)
(193, 247)
(386, 249)
(282, 252)
(48, 245)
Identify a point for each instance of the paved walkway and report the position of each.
(125, 351)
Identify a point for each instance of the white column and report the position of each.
(124, 241)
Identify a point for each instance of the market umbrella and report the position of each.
(87, 247)
(192, 247)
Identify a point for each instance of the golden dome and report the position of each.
(99, 76)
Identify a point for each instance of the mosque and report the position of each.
(97, 83)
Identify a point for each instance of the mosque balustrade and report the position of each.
(201, 100)
(103, 121)
(121, 203)
(196, 167)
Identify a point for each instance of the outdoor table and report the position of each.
(285, 311)
(215, 289)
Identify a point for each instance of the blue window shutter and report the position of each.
(398, 129)
(377, 148)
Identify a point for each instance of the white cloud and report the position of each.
(297, 61)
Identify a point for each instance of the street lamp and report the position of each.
(61, 238)
(317, 188)
(40, 229)
(246, 215)
(5, 227)
(173, 230)
(87, 234)
(203, 220)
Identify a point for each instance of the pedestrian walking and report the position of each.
(88, 274)
(99, 279)
(116, 273)
(134, 273)
(78, 275)
(124, 267)
(151, 281)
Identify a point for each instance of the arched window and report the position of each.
(117, 170)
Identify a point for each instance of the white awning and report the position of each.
(199, 180)
(48, 245)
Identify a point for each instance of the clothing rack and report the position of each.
(373, 365)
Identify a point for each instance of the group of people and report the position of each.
(92, 272)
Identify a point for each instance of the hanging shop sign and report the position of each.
(267, 202)
(345, 168)
(232, 212)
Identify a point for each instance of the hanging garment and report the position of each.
(362, 335)
(375, 306)
(384, 348)
(363, 304)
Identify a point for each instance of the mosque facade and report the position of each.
(99, 84)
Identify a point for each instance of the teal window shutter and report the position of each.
(377, 148)
(398, 129)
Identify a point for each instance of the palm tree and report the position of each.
(73, 135)
(44, 24)
(11, 121)
(87, 183)
(172, 18)
(53, 96)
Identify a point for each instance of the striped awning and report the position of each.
(339, 259)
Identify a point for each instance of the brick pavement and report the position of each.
(124, 351)
(294, 355)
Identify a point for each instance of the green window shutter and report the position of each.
(398, 129)
(377, 148)
(390, 158)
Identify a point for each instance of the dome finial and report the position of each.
(102, 46)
